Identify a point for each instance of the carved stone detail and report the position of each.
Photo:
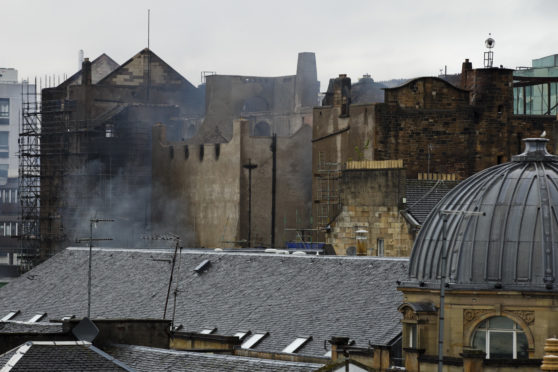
(470, 315)
(409, 314)
(527, 316)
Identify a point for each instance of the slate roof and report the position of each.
(285, 295)
(147, 359)
(423, 195)
(26, 327)
(100, 67)
(65, 356)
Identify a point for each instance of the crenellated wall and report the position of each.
(201, 191)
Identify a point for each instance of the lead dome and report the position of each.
(513, 245)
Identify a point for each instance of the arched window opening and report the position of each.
(262, 129)
(501, 338)
(255, 104)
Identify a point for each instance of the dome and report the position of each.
(501, 228)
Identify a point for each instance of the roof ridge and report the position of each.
(20, 352)
(202, 251)
(204, 355)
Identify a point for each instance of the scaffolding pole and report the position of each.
(29, 176)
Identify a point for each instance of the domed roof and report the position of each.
(501, 228)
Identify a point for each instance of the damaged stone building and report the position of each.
(96, 153)
(247, 183)
(96, 145)
(426, 136)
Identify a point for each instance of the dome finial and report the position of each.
(535, 150)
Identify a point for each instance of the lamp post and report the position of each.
(250, 167)
(444, 215)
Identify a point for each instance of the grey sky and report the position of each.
(388, 39)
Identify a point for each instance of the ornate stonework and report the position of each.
(409, 314)
(470, 315)
(527, 316)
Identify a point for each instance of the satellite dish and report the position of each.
(489, 43)
(86, 330)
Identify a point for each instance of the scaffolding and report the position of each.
(327, 199)
(91, 166)
(29, 176)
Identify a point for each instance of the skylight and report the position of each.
(202, 266)
(208, 331)
(253, 340)
(241, 334)
(10, 315)
(36, 318)
(296, 344)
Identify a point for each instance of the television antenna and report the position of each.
(92, 222)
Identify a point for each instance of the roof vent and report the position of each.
(535, 150)
(203, 266)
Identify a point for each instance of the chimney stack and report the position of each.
(86, 72)
(342, 94)
(465, 68)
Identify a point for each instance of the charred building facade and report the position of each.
(244, 179)
(98, 159)
(96, 145)
(438, 131)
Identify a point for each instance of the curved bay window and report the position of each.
(500, 338)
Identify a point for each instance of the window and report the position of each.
(4, 111)
(501, 338)
(412, 335)
(4, 148)
(109, 130)
(294, 346)
(253, 340)
(380, 243)
(208, 331)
